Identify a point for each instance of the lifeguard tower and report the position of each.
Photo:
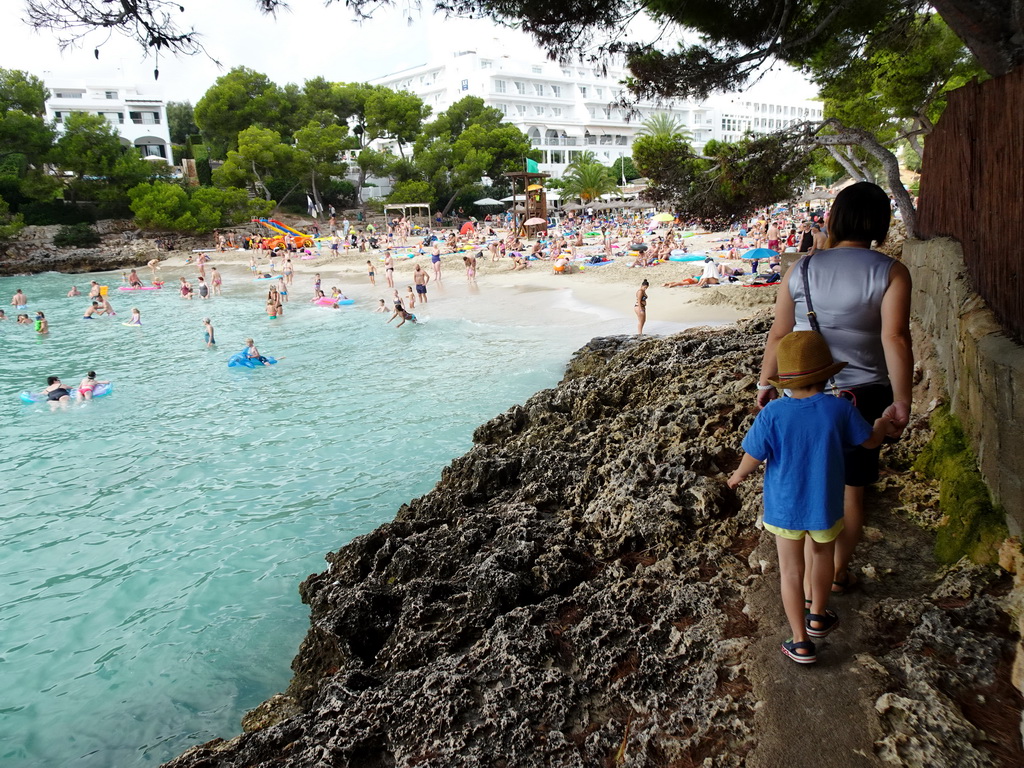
(535, 198)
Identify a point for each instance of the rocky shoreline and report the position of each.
(581, 589)
(33, 251)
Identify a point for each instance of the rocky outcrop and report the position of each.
(34, 251)
(571, 593)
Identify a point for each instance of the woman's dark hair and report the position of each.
(91, 374)
(52, 380)
(861, 213)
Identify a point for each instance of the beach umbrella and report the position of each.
(534, 221)
(572, 207)
(663, 217)
(487, 201)
(534, 187)
(467, 228)
(759, 253)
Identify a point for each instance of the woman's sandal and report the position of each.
(803, 652)
(844, 585)
(826, 623)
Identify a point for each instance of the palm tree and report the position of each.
(664, 126)
(588, 182)
(582, 158)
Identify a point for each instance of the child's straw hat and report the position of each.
(804, 359)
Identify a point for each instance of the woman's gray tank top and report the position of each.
(847, 285)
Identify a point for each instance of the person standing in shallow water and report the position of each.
(640, 307)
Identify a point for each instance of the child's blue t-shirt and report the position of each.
(803, 442)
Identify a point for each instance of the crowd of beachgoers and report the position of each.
(402, 263)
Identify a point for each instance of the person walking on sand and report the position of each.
(370, 272)
(154, 266)
(420, 278)
(640, 307)
(215, 281)
(208, 333)
(389, 269)
(803, 438)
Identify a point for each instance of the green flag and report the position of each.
(531, 166)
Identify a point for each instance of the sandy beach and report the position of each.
(605, 292)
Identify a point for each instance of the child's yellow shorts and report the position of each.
(822, 537)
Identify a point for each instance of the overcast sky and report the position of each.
(301, 43)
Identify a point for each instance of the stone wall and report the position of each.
(983, 368)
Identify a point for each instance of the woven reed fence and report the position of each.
(972, 189)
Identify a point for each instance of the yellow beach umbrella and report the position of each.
(663, 217)
(530, 188)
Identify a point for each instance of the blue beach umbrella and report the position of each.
(759, 254)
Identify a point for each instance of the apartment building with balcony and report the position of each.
(566, 109)
(139, 119)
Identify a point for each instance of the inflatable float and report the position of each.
(241, 361)
(327, 301)
(139, 288)
(683, 256)
(100, 390)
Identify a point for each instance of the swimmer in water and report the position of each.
(19, 300)
(74, 291)
(136, 317)
(91, 312)
(56, 393)
(208, 332)
(88, 384)
(406, 315)
(134, 281)
(382, 307)
(42, 326)
(105, 307)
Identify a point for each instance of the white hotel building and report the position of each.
(566, 109)
(140, 120)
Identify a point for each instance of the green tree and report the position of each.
(624, 168)
(588, 182)
(181, 121)
(899, 89)
(10, 224)
(22, 92)
(727, 182)
(167, 206)
(88, 146)
(412, 192)
(466, 142)
(242, 99)
(261, 157)
(319, 151)
(371, 162)
(666, 125)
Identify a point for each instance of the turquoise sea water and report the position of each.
(153, 540)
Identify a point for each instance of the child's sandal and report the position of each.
(803, 652)
(825, 623)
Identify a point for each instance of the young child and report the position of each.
(381, 307)
(803, 437)
(410, 298)
(370, 272)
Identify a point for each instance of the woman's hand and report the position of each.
(765, 396)
(899, 415)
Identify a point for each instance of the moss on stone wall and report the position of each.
(971, 525)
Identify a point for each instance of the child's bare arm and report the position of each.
(883, 427)
(747, 465)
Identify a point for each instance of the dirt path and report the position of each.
(824, 715)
